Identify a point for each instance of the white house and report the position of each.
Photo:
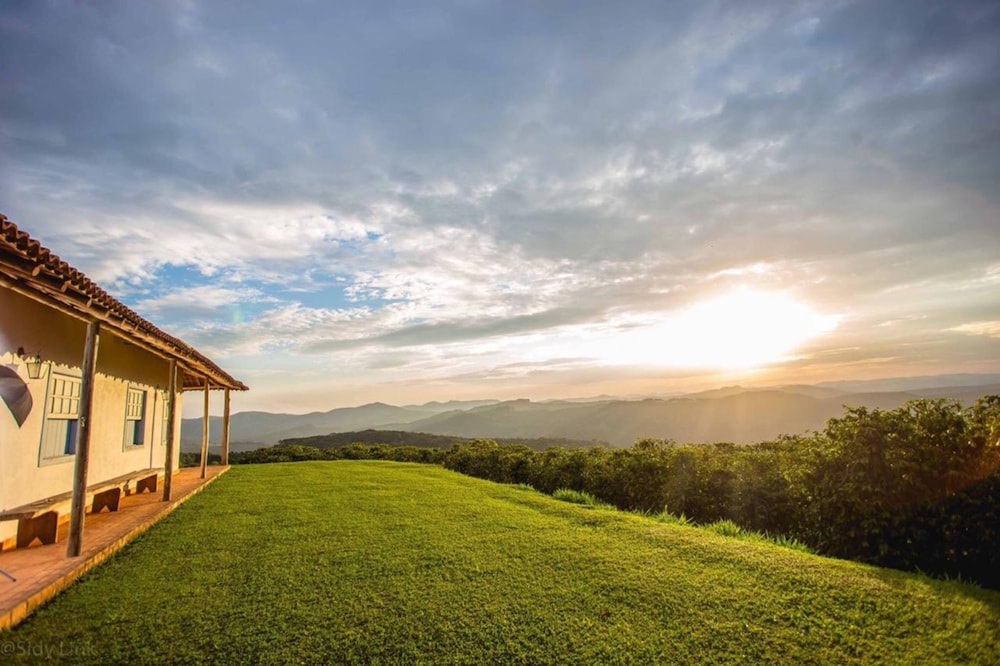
(90, 395)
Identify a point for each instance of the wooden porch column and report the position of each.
(204, 434)
(168, 464)
(78, 508)
(225, 427)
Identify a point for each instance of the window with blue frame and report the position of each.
(135, 418)
(62, 417)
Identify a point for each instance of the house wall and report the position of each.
(26, 477)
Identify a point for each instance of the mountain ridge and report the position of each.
(732, 413)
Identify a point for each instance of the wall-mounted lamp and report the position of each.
(33, 363)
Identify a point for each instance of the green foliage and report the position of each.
(194, 459)
(726, 528)
(372, 562)
(288, 452)
(578, 497)
(881, 481)
(373, 437)
(424, 440)
(788, 542)
(672, 519)
(542, 443)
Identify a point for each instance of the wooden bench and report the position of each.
(40, 519)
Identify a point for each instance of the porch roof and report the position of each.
(33, 270)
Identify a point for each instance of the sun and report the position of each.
(738, 330)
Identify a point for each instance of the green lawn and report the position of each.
(375, 562)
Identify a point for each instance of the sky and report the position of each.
(350, 202)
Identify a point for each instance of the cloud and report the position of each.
(988, 328)
(344, 182)
(448, 332)
(202, 301)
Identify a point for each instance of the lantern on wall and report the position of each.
(32, 363)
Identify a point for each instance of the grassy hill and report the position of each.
(375, 562)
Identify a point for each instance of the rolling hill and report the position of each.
(421, 439)
(361, 562)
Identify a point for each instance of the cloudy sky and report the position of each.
(404, 201)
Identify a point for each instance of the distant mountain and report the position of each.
(734, 413)
(911, 384)
(742, 417)
(438, 407)
(802, 389)
(964, 394)
(249, 430)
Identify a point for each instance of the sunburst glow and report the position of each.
(741, 329)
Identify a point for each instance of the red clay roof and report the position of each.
(26, 262)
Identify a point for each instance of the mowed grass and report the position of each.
(376, 562)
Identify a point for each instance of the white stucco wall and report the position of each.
(24, 476)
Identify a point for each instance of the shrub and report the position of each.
(726, 527)
(788, 542)
(672, 519)
(578, 497)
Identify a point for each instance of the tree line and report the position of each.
(917, 487)
(423, 439)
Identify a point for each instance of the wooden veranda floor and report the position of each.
(44, 571)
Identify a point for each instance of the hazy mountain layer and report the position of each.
(733, 414)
